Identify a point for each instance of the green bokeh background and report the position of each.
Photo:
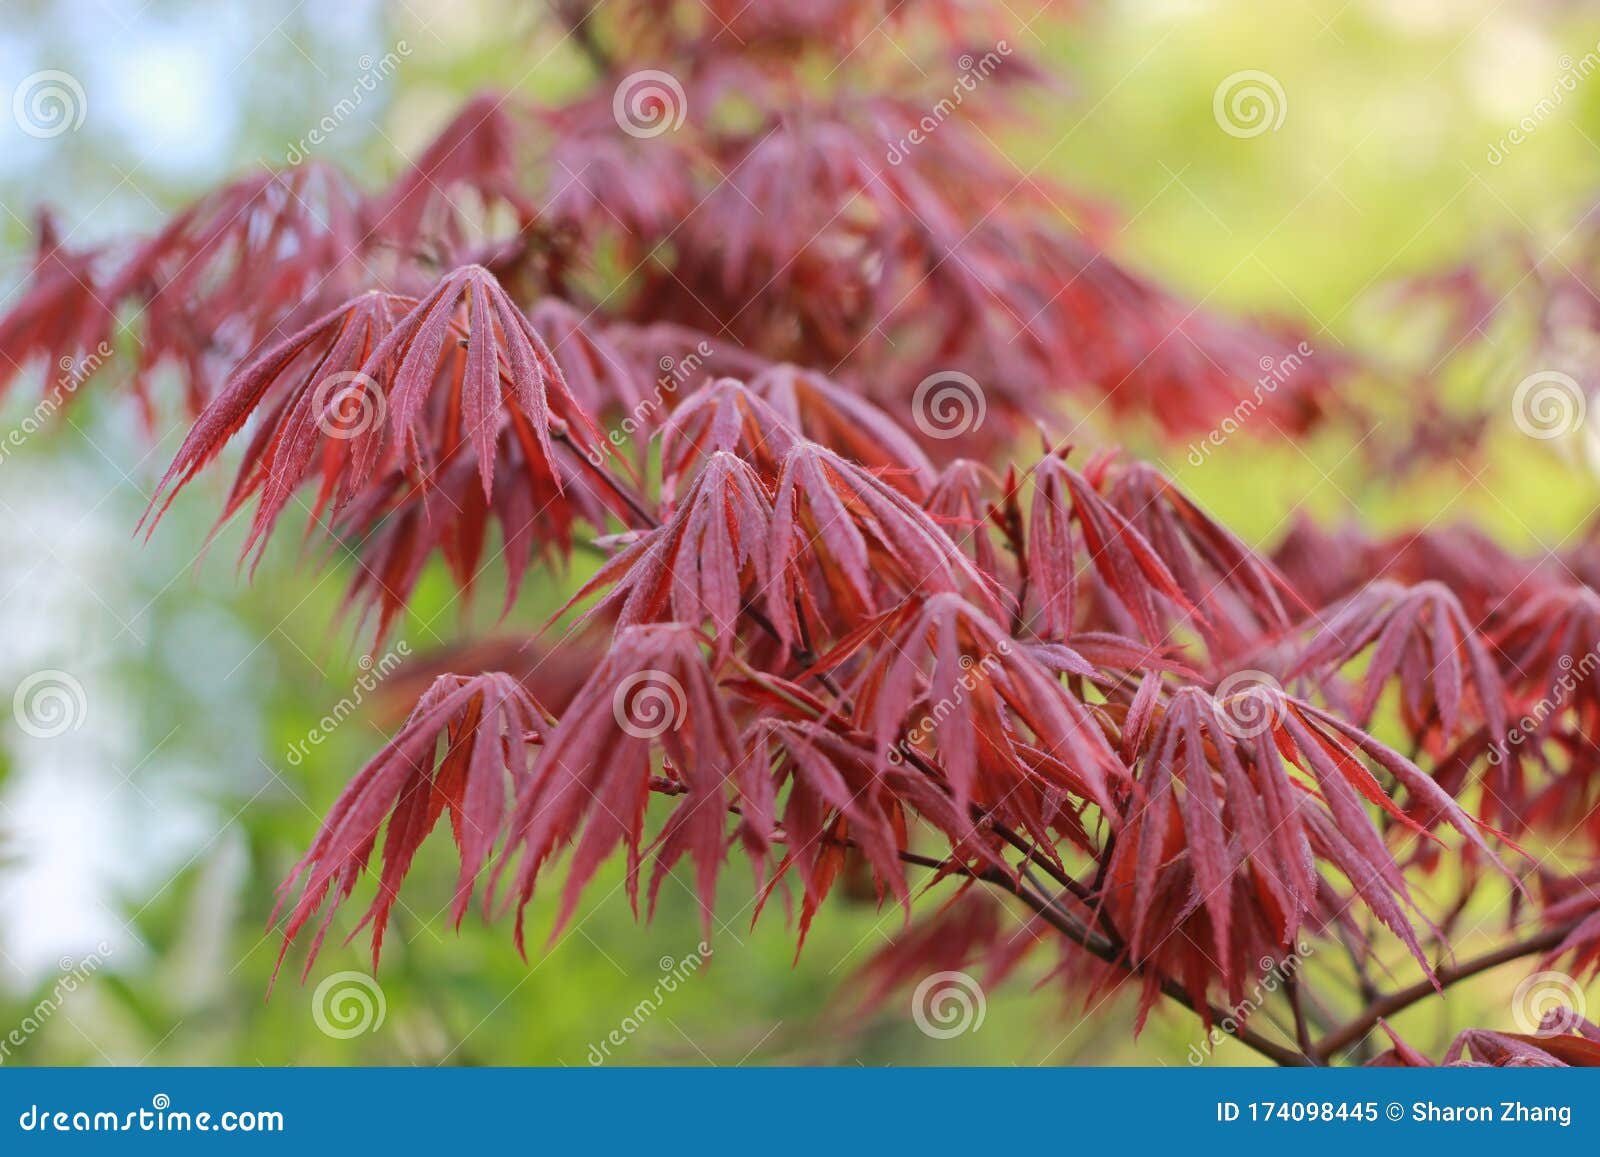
(1380, 169)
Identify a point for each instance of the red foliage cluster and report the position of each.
(721, 188)
(1512, 326)
(1561, 1041)
(1081, 686)
(818, 646)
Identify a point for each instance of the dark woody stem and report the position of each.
(1367, 1019)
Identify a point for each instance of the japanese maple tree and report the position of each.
(751, 325)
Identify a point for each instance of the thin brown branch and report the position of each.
(1302, 1030)
(1395, 1002)
(1102, 948)
(1069, 927)
(609, 480)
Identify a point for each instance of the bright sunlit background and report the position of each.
(152, 838)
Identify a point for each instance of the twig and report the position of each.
(1395, 1002)
(1098, 946)
(1302, 1031)
(609, 480)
